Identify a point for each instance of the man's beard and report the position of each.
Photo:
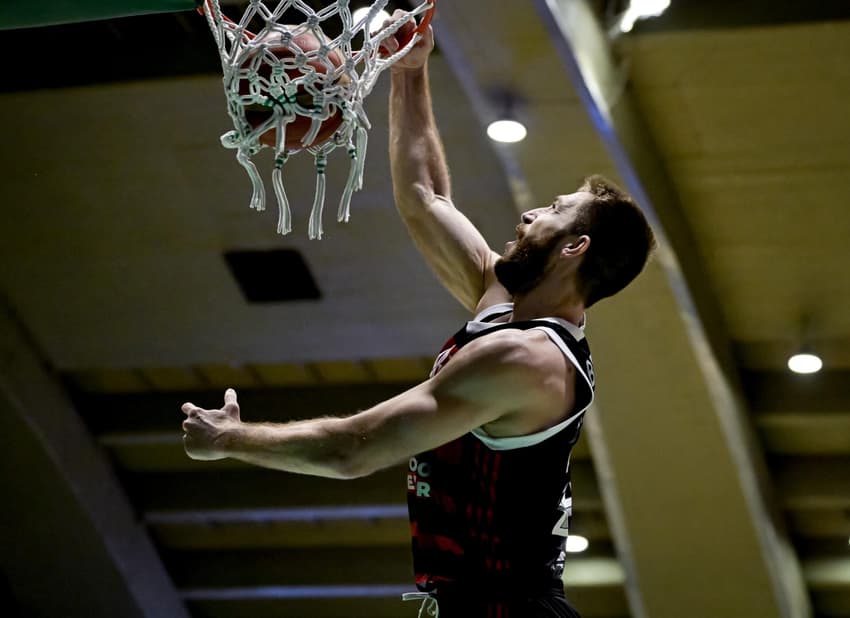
(525, 266)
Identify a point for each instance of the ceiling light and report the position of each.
(641, 9)
(805, 363)
(649, 8)
(506, 131)
(377, 22)
(576, 544)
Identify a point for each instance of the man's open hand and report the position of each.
(205, 431)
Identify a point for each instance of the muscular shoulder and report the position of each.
(521, 351)
(522, 373)
(530, 361)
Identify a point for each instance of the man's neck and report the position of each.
(538, 304)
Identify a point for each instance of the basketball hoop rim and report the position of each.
(425, 21)
(427, 16)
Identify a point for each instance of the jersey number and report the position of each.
(562, 526)
(590, 375)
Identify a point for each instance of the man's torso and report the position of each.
(493, 512)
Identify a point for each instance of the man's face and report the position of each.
(527, 259)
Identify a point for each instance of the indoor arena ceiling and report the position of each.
(710, 480)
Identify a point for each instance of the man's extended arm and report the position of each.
(516, 380)
(451, 245)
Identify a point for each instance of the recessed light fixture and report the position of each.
(506, 131)
(641, 9)
(576, 544)
(805, 362)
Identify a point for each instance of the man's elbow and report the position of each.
(354, 470)
(353, 458)
(354, 465)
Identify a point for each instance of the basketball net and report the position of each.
(255, 76)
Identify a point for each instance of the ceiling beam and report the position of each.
(826, 573)
(581, 42)
(724, 14)
(801, 433)
(819, 524)
(307, 573)
(813, 482)
(782, 391)
(247, 487)
(65, 516)
(261, 528)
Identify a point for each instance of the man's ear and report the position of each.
(577, 247)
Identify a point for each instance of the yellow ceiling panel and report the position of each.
(284, 374)
(224, 376)
(342, 372)
(397, 369)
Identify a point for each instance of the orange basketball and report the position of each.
(300, 126)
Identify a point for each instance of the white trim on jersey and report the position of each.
(510, 443)
(479, 322)
(492, 310)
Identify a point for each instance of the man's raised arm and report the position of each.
(451, 245)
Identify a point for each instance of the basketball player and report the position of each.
(488, 435)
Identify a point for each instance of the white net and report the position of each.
(293, 87)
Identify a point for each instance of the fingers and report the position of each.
(191, 411)
(392, 44)
(230, 397)
(389, 45)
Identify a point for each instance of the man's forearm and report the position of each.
(319, 447)
(416, 152)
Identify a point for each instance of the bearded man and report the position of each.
(488, 436)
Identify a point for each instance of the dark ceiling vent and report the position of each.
(272, 276)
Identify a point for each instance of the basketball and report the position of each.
(257, 114)
(292, 87)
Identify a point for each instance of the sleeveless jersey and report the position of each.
(492, 513)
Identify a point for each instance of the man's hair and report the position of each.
(620, 240)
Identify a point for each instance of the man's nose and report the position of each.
(528, 217)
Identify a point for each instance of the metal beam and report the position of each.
(581, 42)
(65, 519)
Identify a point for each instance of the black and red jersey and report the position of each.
(494, 512)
